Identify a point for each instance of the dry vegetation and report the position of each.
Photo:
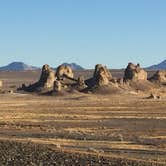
(80, 129)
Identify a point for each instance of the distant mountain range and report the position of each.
(17, 66)
(160, 66)
(20, 66)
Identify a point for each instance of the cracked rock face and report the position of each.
(135, 73)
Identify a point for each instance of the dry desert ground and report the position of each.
(80, 129)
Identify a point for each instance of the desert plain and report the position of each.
(80, 128)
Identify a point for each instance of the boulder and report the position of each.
(153, 96)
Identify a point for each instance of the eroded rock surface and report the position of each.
(135, 73)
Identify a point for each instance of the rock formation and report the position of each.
(135, 73)
(101, 75)
(57, 86)
(1, 84)
(81, 81)
(45, 82)
(64, 71)
(47, 77)
(102, 69)
(159, 76)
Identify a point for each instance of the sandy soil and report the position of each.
(81, 129)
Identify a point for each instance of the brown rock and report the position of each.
(153, 96)
(1, 84)
(45, 82)
(159, 76)
(102, 75)
(64, 71)
(57, 86)
(81, 81)
(47, 77)
(100, 68)
(135, 73)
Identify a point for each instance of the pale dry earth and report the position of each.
(125, 129)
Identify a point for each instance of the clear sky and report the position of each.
(111, 32)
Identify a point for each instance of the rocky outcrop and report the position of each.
(45, 82)
(47, 77)
(134, 73)
(64, 71)
(1, 84)
(81, 81)
(101, 75)
(101, 78)
(57, 86)
(159, 76)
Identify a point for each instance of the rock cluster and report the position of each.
(53, 81)
(63, 80)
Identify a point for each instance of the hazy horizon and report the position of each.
(83, 32)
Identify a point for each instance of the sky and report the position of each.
(87, 32)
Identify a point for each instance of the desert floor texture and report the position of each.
(80, 129)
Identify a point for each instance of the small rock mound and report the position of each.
(141, 85)
(135, 73)
(79, 85)
(159, 76)
(153, 96)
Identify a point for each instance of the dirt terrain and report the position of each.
(80, 129)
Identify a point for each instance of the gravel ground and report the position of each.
(23, 154)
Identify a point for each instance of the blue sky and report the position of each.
(111, 32)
